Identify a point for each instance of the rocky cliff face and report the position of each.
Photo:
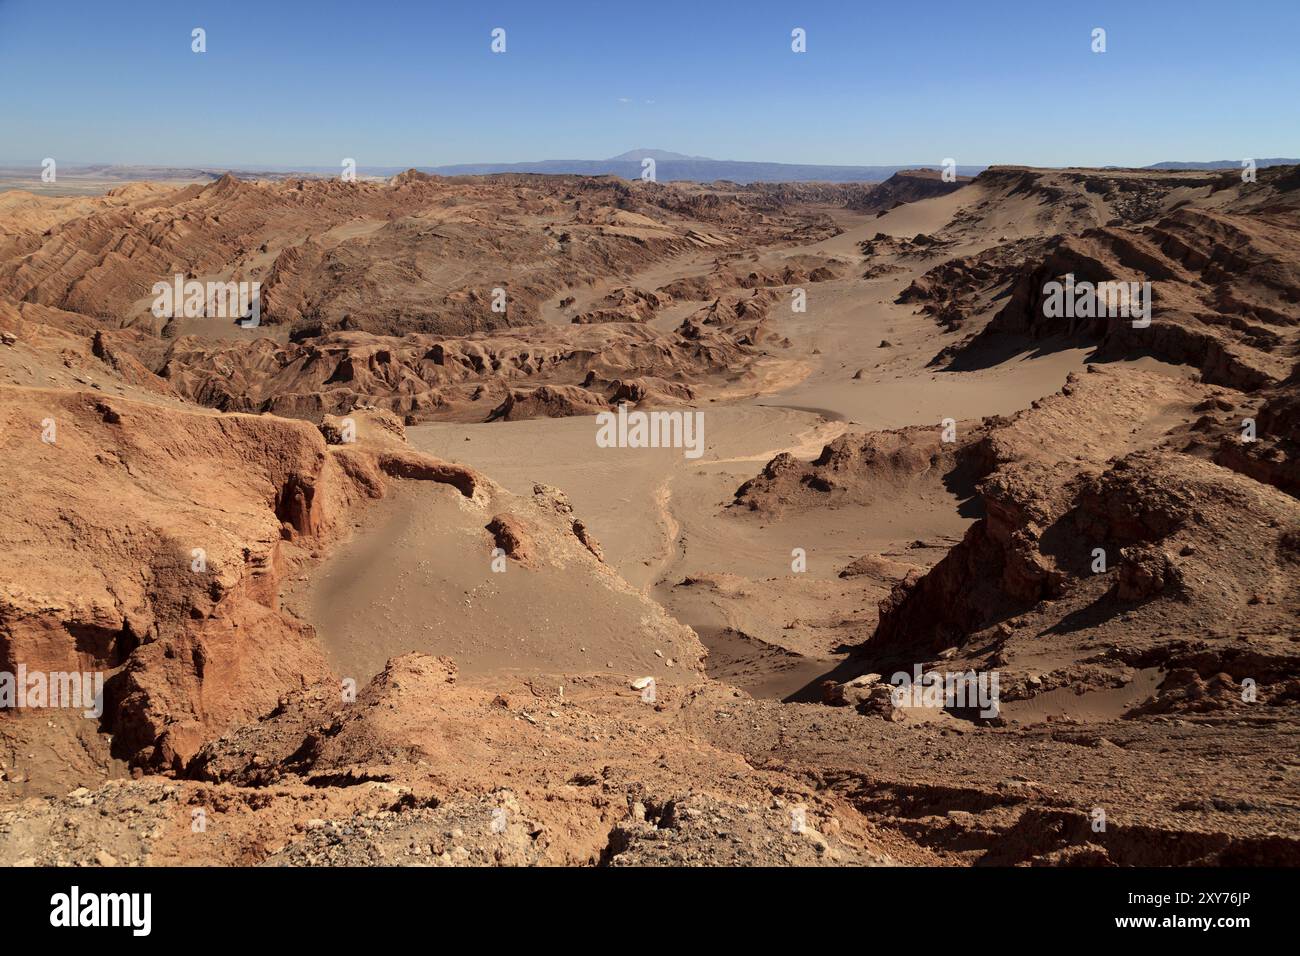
(150, 541)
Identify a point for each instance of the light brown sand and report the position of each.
(662, 518)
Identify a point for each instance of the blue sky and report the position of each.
(287, 83)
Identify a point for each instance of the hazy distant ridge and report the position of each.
(1223, 164)
(671, 167)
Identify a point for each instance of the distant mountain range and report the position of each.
(670, 167)
(1224, 164)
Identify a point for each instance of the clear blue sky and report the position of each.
(288, 83)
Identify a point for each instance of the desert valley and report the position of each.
(364, 585)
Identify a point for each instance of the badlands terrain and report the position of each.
(365, 589)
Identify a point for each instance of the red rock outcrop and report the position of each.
(148, 541)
